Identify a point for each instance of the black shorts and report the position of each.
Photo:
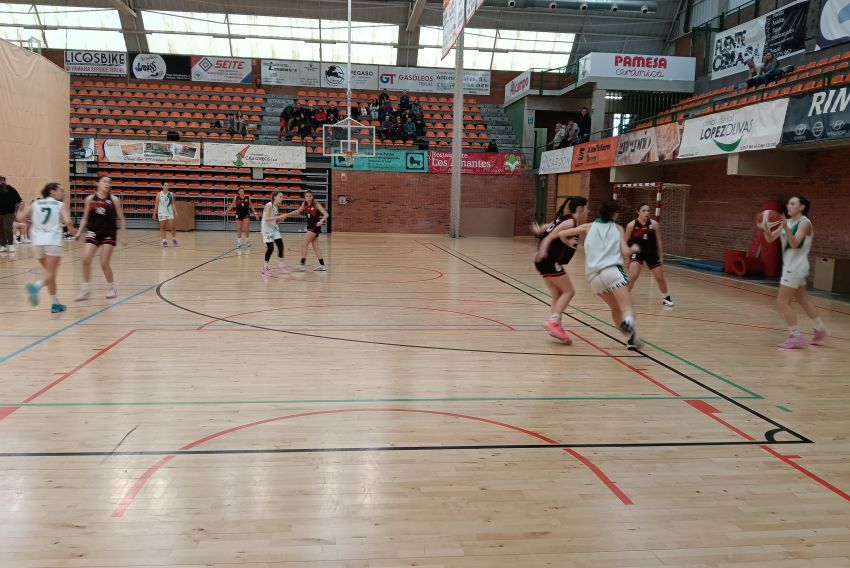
(99, 238)
(315, 229)
(650, 258)
(243, 217)
(548, 268)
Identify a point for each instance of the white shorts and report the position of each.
(793, 278)
(48, 250)
(607, 279)
(271, 237)
(162, 217)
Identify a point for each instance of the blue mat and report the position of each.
(711, 265)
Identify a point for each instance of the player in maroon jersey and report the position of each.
(104, 219)
(316, 217)
(646, 234)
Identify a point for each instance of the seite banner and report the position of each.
(834, 23)
(96, 63)
(147, 152)
(156, 66)
(819, 116)
(556, 161)
(782, 31)
(486, 163)
(755, 127)
(221, 69)
(255, 156)
(386, 160)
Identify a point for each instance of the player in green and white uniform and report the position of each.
(166, 214)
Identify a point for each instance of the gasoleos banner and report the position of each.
(756, 127)
(255, 156)
(556, 161)
(782, 31)
(819, 116)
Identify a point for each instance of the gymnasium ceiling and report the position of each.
(528, 35)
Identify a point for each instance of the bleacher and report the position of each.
(150, 109)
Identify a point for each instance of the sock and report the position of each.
(555, 318)
(322, 261)
(303, 260)
(794, 330)
(628, 325)
(111, 285)
(266, 265)
(819, 323)
(56, 300)
(38, 284)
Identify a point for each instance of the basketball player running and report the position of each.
(316, 217)
(646, 234)
(47, 215)
(605, 253)
(244, 210)
(796, 234)
(102, 215)
(271, 232)
(553, 255)
(166, 214)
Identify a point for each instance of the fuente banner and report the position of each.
(255, 156)
(221, 69)
(486, 163)
(756, 127)
(147, 152)
(782, 31)
(819, 116)
(556, 161)
(385, 160)
(834, 23)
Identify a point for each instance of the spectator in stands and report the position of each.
(770, 71)
(364, 110)
(572, 134)
(383, 97)
(285, 116)
(409, 130)
(753, 71)
(416, 108)
(420, 126)
(584, 126)
(387, 108)
(398, 129)
(374, 107)
(404, 102)
(333, 114)
(387, 128)
(321, 116)
(10, 199)
(230, 123)
(560, 135)
(492, 146)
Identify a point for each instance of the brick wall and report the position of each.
(386, 202)
(721, 208)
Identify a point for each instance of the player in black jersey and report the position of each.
(104, 219)
(553, 254)
(316, 217)
(244, 209)
(646, 234)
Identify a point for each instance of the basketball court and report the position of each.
(407, 408)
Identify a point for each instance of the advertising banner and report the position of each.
(290, 73)
(822, 115)
(255, 156)
(487, 163)
(834, 23)
(156, 66)
(592, 155)
(756, 127)
(426, 80)
(96, 63)
(556, 161)
(636, 147)
(668, 140)
(221, 69)
(782, 31)
(635, 66)
(146, 152)
(385, 160)
(333, 75)
(517, 87)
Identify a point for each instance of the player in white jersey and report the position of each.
(47, 216)
(796, 234)
(271, 232)
(605, 255)
(166, 214)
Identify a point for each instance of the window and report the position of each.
(211, 30)
(300, 35)
(472, 58)
(109, 38)
(378, 46)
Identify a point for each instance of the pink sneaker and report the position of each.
(266, 271)
(112, 294)
(174, 242)
(793, 342)
(556, 331)
(820, 335)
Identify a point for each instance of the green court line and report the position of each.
(365, 400)
(671, 354)
(783, 408)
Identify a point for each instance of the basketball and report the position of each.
(768, 219)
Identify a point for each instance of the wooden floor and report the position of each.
(406, 408)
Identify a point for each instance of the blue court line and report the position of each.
(38, 342)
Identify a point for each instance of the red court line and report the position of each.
(127, 500)
(656, 382)
(361, 306)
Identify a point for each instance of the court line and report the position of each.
(781, 427)
(671, 354)
(127, 501)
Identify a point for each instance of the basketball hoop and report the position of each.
(348, 158)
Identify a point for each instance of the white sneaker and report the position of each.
(112, 294)
(11, 248)
(300, 267)
(667, 302)
(26, 240)
(2, 248)
(321, 268)
(83, 296)
(238, 245)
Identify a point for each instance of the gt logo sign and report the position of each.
(387, 78)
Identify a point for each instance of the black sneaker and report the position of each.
(634, 343)
(667, 302)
